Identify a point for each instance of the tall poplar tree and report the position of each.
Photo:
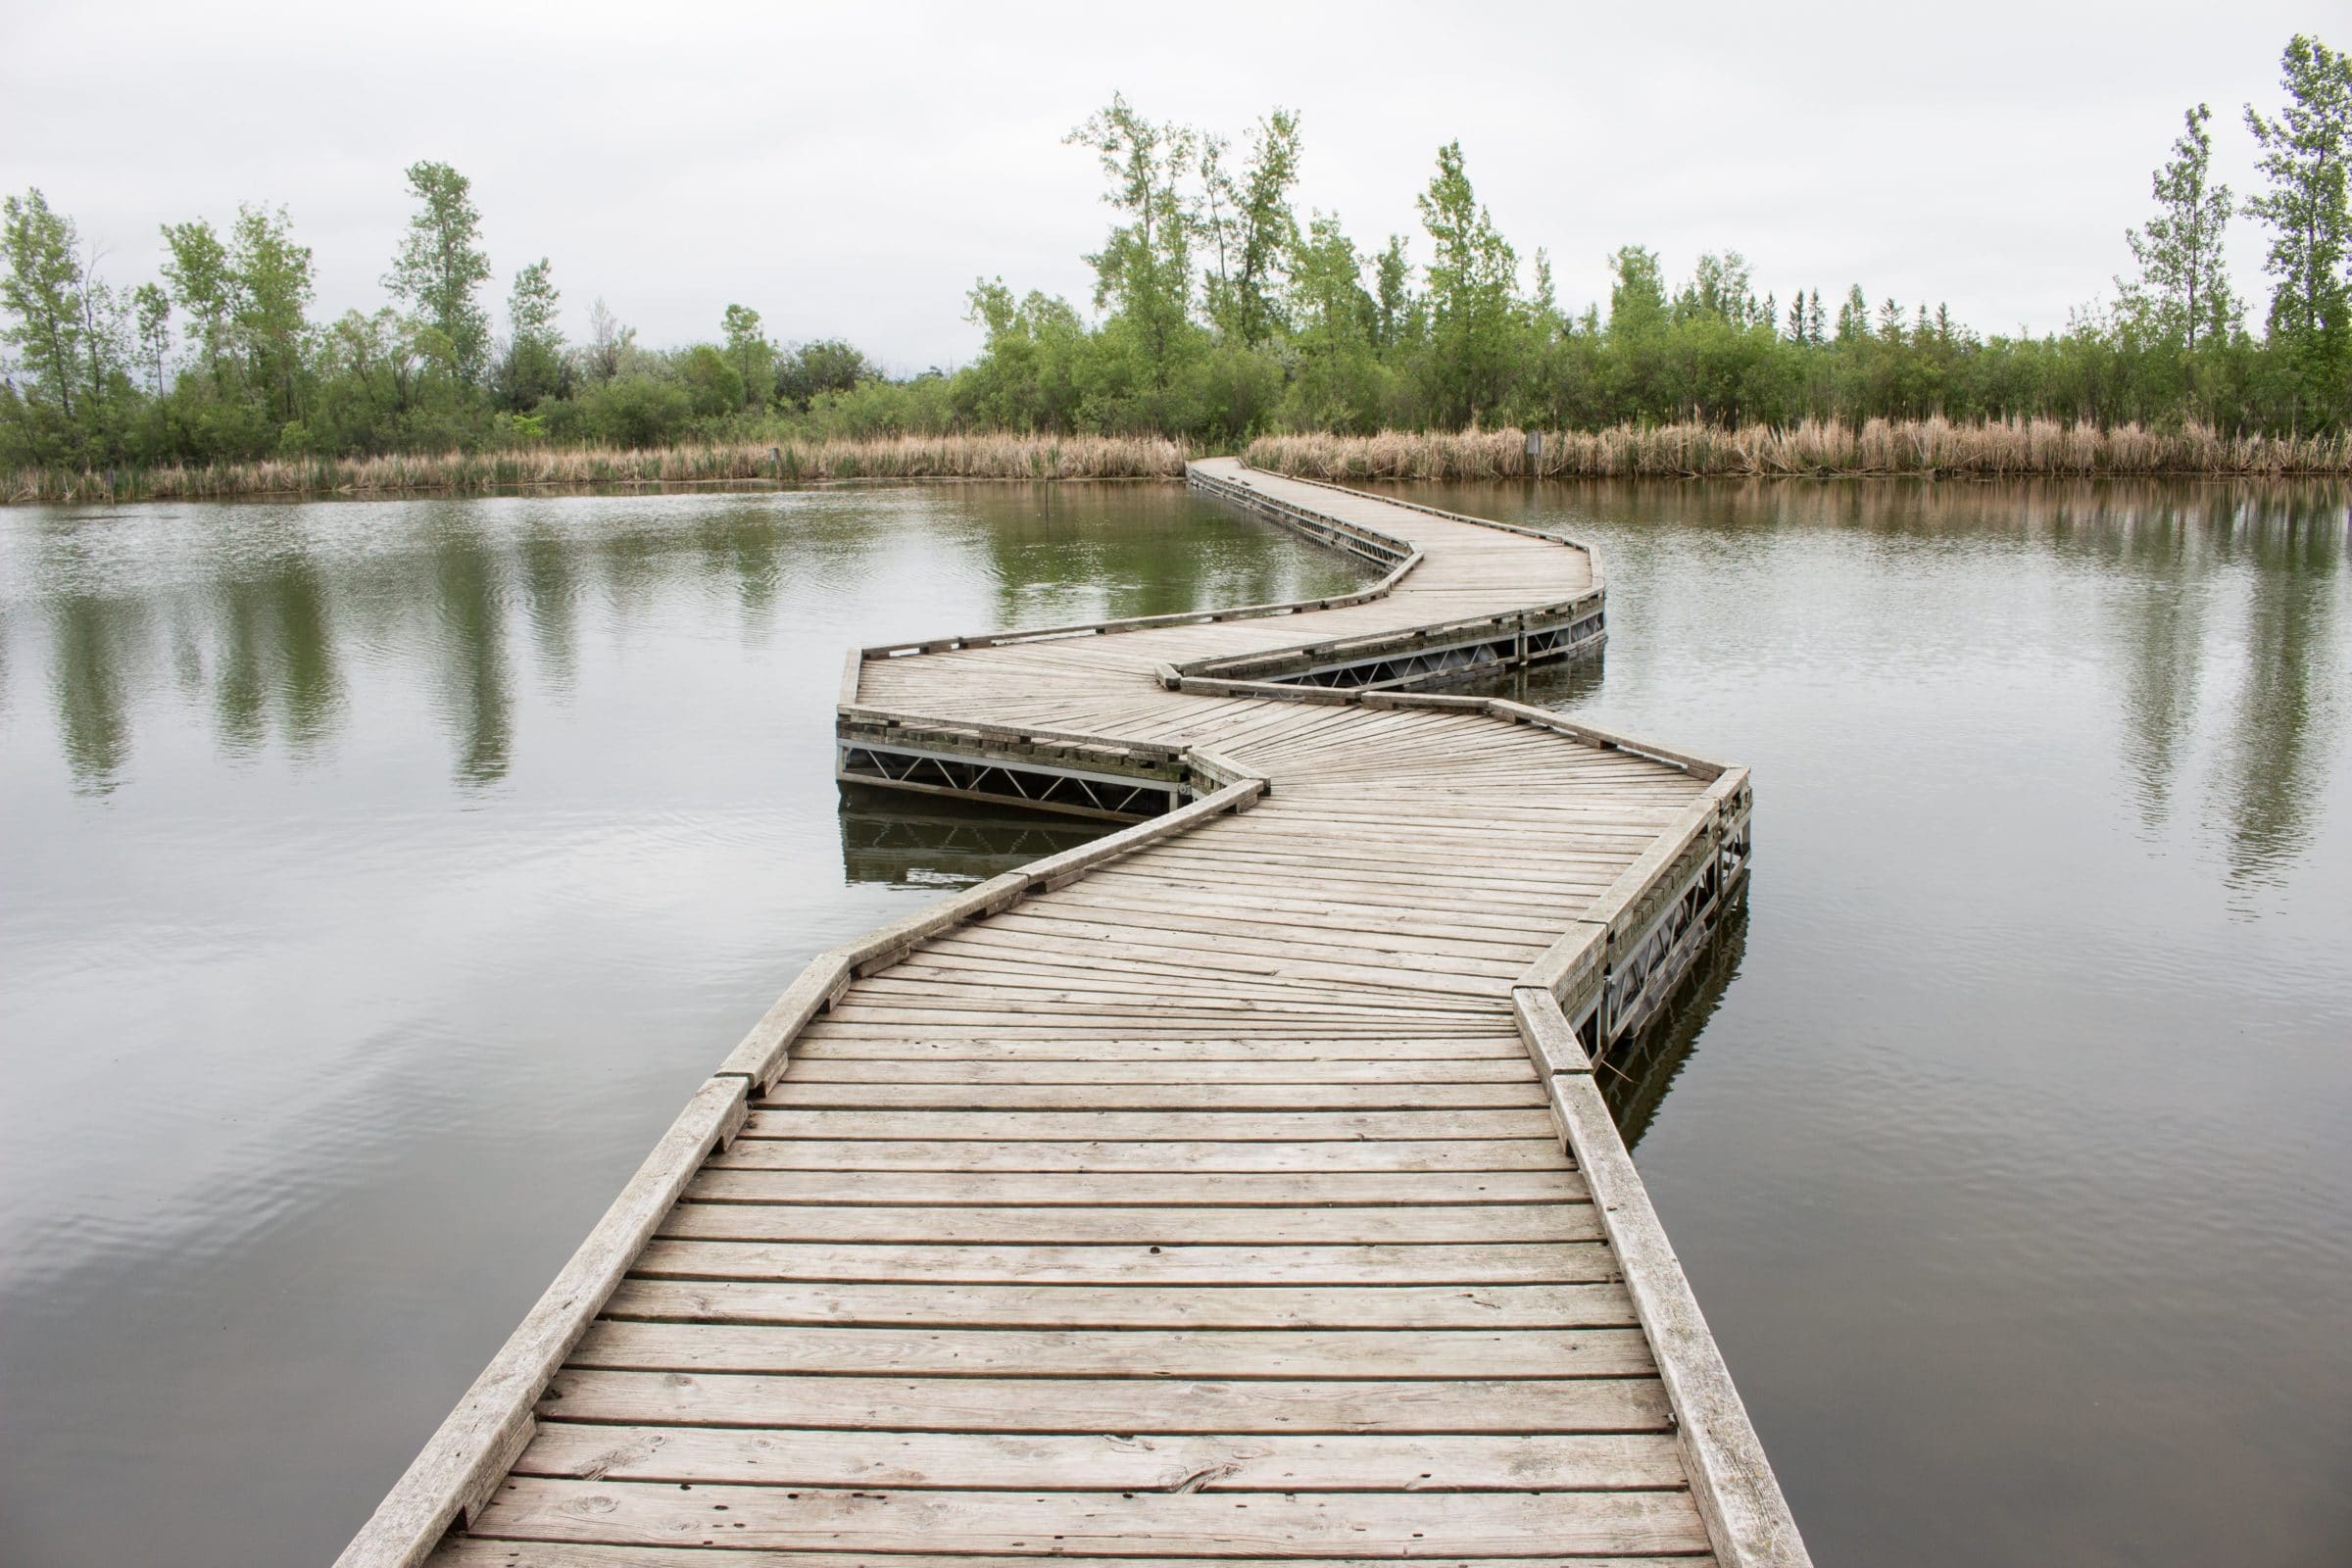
(1264, 230)
(43, 288)
(269, 305)
(1471, 274)
(2304, 153)
(441, 267)
(199, 274)
(1144, 272)
(535, 339)
(2184, 289)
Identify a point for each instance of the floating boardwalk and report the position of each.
(1231, 1187)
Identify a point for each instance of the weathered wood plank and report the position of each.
(632, 1346)
(993, 1461)
(965, 1189)
(1490, 1263)
(1149, 1126)
(1108, 1404)
(1379, 1224)
(1537, 1150)
(1411, 1525)
(1126, 1306)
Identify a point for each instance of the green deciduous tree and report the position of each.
(713, 385)
(441, 267)
(271, 287)
(1636, 293)
(534, 369)
(151, 314)
(1338, 381)
(2182, 292)
(2304, 152)
(1261, 236)
(198, 272)
(1392, 293)
(609, 344)
(749, 350)
(1144, 272)
(1471, 274)
(43, 290)
(809, 371)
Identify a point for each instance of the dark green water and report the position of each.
(375, 880)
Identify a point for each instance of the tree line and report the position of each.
(1219, 312)
(218, 358)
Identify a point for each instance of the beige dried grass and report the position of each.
(943, 457)
(1935, 447)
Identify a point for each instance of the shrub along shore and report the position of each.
(1918, 448)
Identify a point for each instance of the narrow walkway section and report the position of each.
(1233, 1187)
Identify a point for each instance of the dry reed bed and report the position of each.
(2012, 449)
(950, 457)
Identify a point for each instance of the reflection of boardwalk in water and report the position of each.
(886, 840)
(1236, 1185)
(1635, 1073)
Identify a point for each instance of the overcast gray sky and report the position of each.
(848, 170)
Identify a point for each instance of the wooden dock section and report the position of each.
(1231, 1187)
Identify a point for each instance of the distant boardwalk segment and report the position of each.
(1233, 1187)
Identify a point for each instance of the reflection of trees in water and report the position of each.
(469, 580)
(549, 573)
(1164, 551)
(91, 639)
(274, 651)
(748, 550)
(1635, 1073)
(2289, 692)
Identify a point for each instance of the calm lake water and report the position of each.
(376, 880)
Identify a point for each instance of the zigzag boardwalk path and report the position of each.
(1234, 1187)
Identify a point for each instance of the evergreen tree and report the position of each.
(1853, 317)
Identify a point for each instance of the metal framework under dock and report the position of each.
(1232, 1186)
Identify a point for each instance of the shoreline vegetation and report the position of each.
(1928, 449)
(1224, 317)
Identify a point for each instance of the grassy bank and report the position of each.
(1923, 447)
(948, 456)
